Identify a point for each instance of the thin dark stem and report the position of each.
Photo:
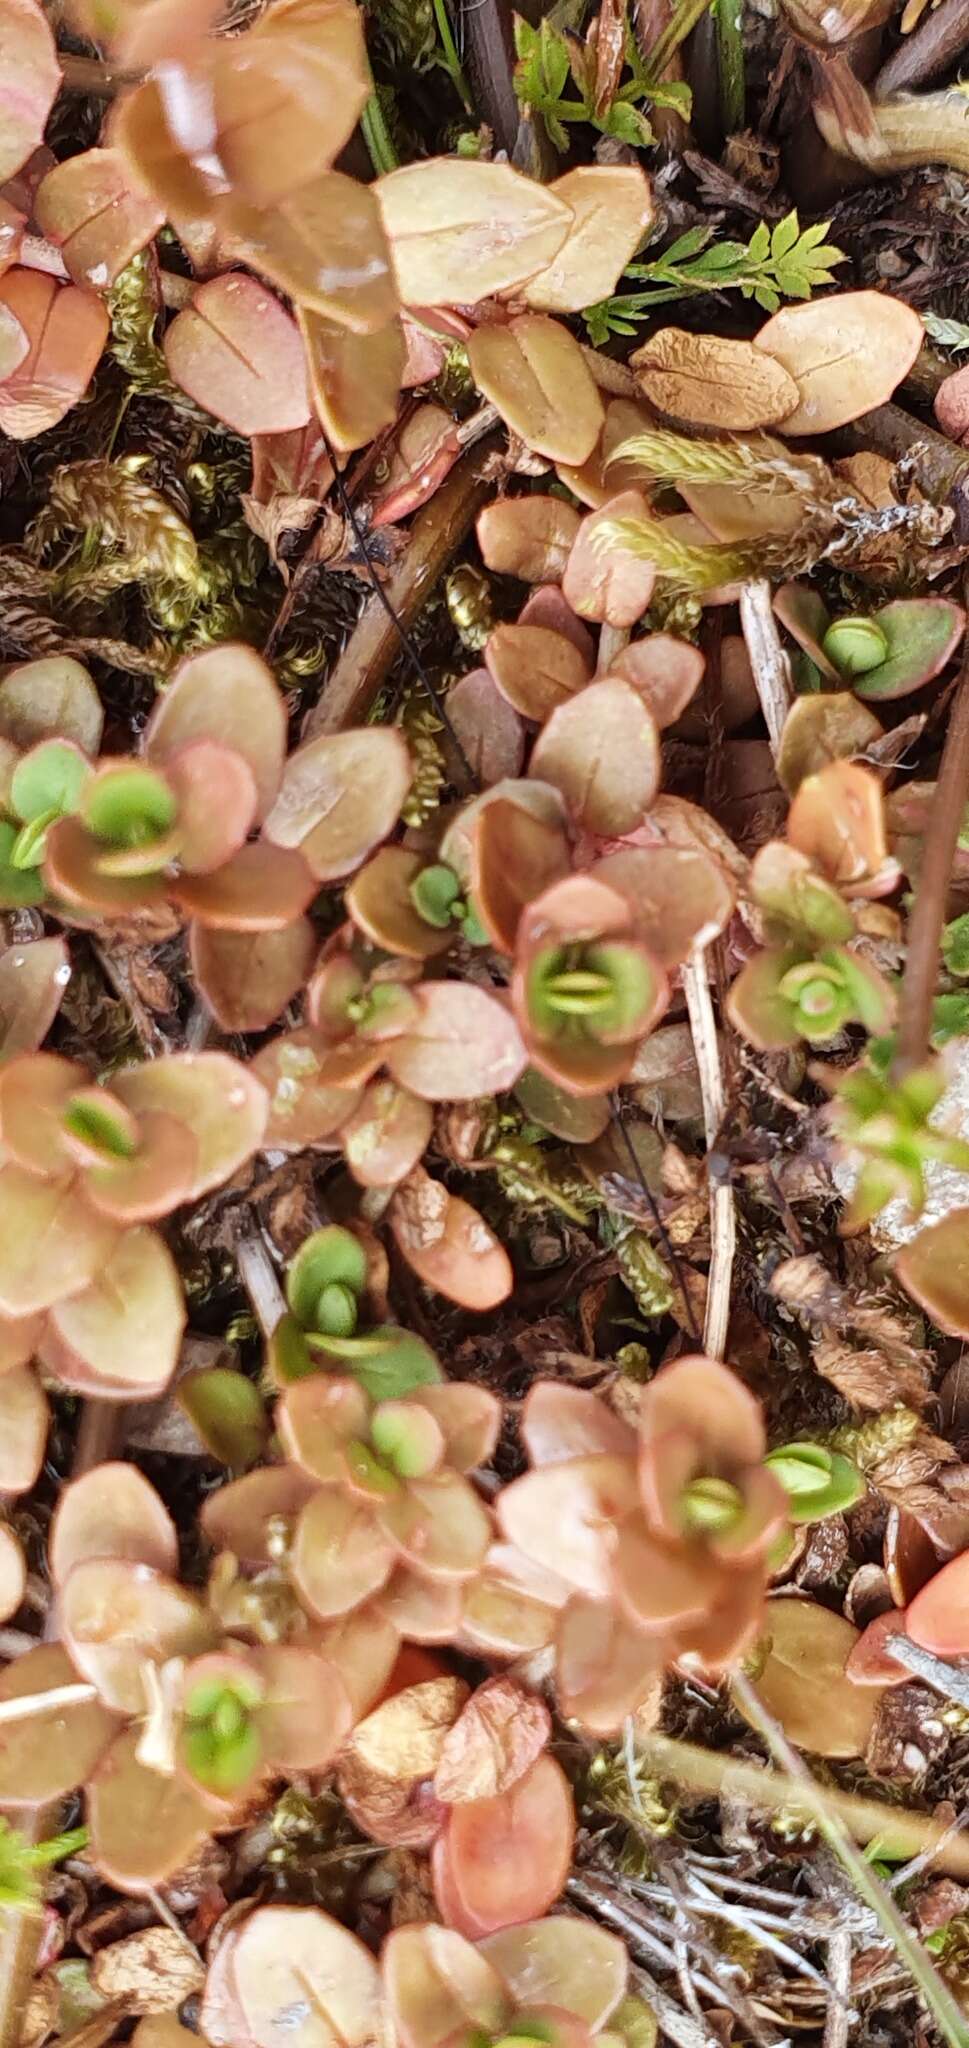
(615, 1111)
(350, 514)
(932, 888)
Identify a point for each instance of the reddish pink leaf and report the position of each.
(111, 1512)
(341, 795)
(32, 983)
(952, 405)
(144, 1826)
(449, 1245)
(488, 727)
(248, 978)
(46, 1754)
(463, 1043)
(664, 672)
(23, 1429)
(505, 1860)
(89, 208)
(121, 1337)
(66, 329)
(938, 1617)
(601, 750)
(386, 1135)
(262, 888)
(30, 79)
(220, 1100)
(226, 694)
(305, 1108)
(237, 352)
(609, 583)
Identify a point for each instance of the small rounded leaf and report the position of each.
(527, 537)
(601, 750)
(226, 694)
(612, 207)
(934, 1268)
(355, 379)
(607, 582)
(144, 1826)
(111, 1512)
(98, 218)
(237, 353)
(463, 1043)
(24, 1419)
(505, 1859)
(297, 1971)
(220, 1100)
(341, 795)
(459, 226)
(534, 371)
(449, 1245)
(47, 1753)
(66, 328)
(488, 727)
(30, 78)
(249, 978)
(846, 354)
(665, 672)
(121, 1337)
(809, 1647)
(535, 668)
(710, 380)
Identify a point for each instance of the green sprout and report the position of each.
(21, 1862)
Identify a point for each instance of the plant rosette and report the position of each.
(87, 1287)
(890, 653)
(327, 1285)
(886, 1125)
(664, 1534)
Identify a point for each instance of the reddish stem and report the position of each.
(932, 889)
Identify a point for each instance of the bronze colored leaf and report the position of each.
(809, 1647)
(527, 537)
(500, 1733)
(534, 371)
(612, 207)
(601, 749)
(355, 379)
(66, 329)
(535, 668)
(462, 229)
(609, 583)
(325, 245)
(846, 353)
(92, 211)
(710, 380)
(30, 78)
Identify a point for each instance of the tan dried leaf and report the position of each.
(404, 1738)
(500, 1734)
(462, 229)
(846, 354)
(805, 1285)
(712, 381)
(154, 1970)
(534, 371)
(612, 207)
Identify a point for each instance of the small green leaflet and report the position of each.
(948, 333)
(548, 61)
(786, 262)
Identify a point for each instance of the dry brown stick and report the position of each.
(723, 1217)
(374, 644)
(929, 51)
(932, 888)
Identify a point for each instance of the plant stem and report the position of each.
(938, 1999)
(376, 135)
(26, 1704)
(945, 1678)
(925, 54)
(258, 1276)
(723, 1217)
(373, 646)
(770, 665)
(932, 888)
(679, 26)
(90, 76)
(728, 19)
(451, 58)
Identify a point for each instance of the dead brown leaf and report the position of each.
(154, 1970)
(499, 1734)
(869, 1378)
(713, 381)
